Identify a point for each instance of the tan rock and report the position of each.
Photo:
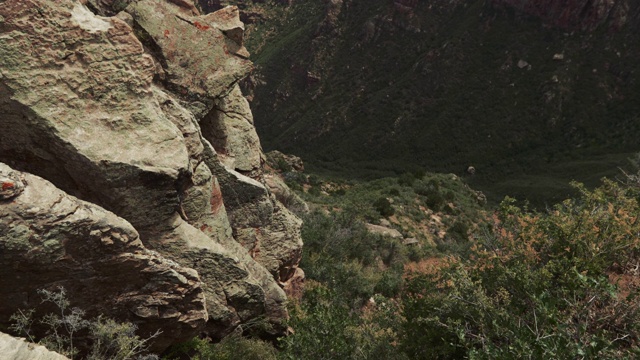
(18, 349)
(385, 231)
(229, 128)
(285, 195)
(193, 49)
(51, 239)
(78, 107)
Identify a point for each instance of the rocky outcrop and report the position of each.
(284, 162)
(384, 231)
(285, 195)
(51, 239)
(229, 128)
(122, 111)
(18, 349)
(235, 155)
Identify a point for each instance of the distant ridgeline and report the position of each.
(531, 93)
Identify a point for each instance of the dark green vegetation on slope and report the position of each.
(558, 284)
(354, 88)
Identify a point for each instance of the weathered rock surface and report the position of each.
(51, 239)
(19, 349)
(269, 231)
(109, 109)
(285, 195)
(384, 231)
(229, 128)
(236, 158)
(202, 56)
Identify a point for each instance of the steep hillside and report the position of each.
(531, 93)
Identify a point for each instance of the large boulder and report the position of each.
(109, 109)
(202, 56)
(191, 72)
(51, 239)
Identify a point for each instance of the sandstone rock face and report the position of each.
(19, 349)
(229, 128)
(122, 111)
(51, 239)
(285, 195)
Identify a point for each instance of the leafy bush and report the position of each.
(383, 206)
(394, 191)
(540, 285)
(327, 329)
(283, 166)
(321, 327)
(341, 252)
(294, 180)
(230, 348)
(406, 179)
(459, 231)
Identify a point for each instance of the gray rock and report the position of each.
(285, 195)
(385, 231)
(51, 239)
(116, 122)
(12, 348)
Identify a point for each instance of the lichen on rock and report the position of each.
(111, 109)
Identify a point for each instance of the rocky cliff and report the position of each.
(132, 170)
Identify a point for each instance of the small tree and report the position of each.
(383, 206)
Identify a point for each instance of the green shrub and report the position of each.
(459, 231)
(383, 206)
(340, 192)
(406, 179)
(434, 200)
(315, 180)
(390, 284)
(449, 195)
(540, 285)
(327, 329)
(315, 191)
(394, 191)
(230, 348)
(283, 166)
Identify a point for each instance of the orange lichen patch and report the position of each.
(201, 26)
(166, 33)
(6, 185)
